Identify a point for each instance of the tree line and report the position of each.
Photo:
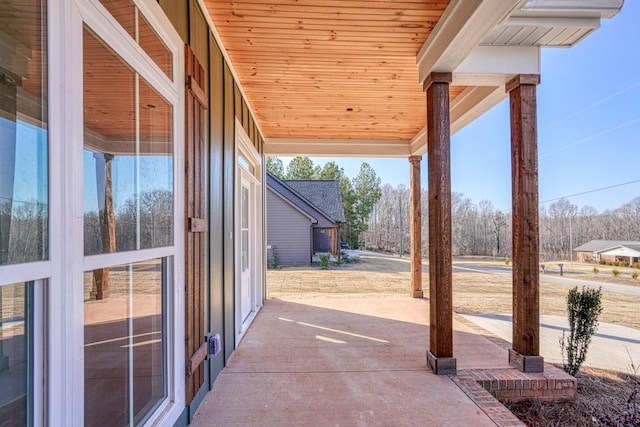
(376, 217)
(482, 229)
(359, 195)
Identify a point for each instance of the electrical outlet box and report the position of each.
(214, 345)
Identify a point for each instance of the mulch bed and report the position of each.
(600, 394)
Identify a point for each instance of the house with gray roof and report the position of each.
(609, 250)
(303, 218)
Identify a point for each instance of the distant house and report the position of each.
(303, 217)
(609, 250)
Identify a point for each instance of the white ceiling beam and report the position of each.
(462, 27)
(495, 65)
(336, 147)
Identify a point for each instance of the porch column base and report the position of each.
(417, 294)
(526, 363)
(442, 365)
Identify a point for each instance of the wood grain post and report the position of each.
(107, 222)
(525, 354)
(416, 227)
(440, 355)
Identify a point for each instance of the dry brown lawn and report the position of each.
(472, 292)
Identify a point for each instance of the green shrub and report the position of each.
(634, 275)
(636, 265)
(624, 263)
(602, 262)
(615, 272)
(324, 261)
(507, 261)
(595, 270)
(274, 258)
(583, 309)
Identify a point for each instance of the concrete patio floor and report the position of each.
(348, 361)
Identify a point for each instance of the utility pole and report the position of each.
(570, 243)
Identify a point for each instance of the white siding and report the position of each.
(288, 230)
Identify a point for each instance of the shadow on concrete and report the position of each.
(344, 361)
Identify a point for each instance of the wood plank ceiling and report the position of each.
(330, 69)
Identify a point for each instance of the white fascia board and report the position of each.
(599, 8)
(551, 22)
(336, 147)
(462, 27)
(495, 65)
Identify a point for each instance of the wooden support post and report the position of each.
(107, 222)
(415, 227)
(440, 355)
(525, 354)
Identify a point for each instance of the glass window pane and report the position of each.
(15, 358)
(154, 46)
(129, 16)
(124, 352)
(128, 156)
(242, 161)
(23, 132)
(245, 207)
(124, 11)
(245, 250)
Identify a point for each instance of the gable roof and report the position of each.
(603, 245)
(324, 194)
(298, 200)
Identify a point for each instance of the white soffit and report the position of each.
(552, 23)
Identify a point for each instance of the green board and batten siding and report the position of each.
(225, 104)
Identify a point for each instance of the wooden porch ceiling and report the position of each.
(330, 69)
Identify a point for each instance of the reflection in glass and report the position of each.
(129, 16)
(23, 135)
(15, 358)
(125, 339)
(128, 156)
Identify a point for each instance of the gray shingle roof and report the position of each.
(603, 245)
(325, 194)
(300, 200)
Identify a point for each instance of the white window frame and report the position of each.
(65, 315)
(42, 273)
(245, 147)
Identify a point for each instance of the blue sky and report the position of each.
(588, 127)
